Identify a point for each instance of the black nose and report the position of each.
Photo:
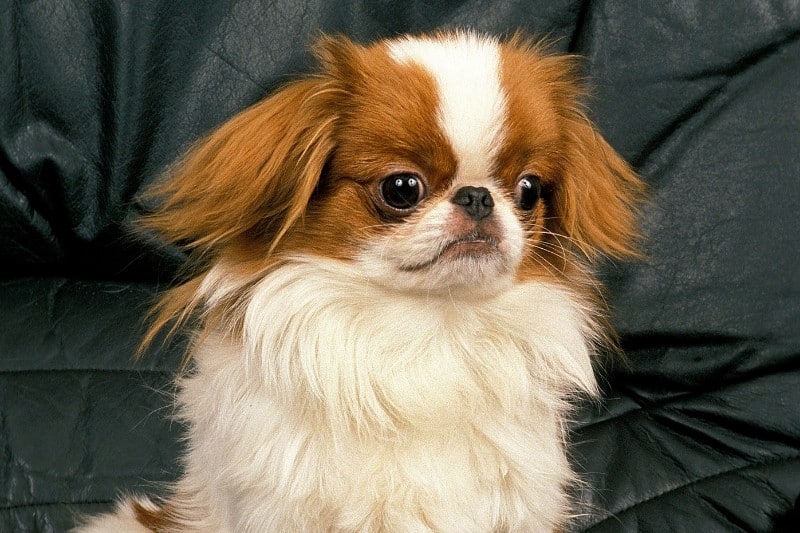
(476, 201)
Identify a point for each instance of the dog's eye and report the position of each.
(527, 192)
(402, 191)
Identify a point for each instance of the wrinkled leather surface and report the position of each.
(701, 433)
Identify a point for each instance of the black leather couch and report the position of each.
(701, 433)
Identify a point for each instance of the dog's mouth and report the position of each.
(476, 245)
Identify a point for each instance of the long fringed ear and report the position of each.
(247, 183)
(256, 173)
(600, 199)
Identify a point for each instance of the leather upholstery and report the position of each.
(700, 433)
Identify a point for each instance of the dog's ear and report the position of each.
(253, 176)
(600, 195)
(339, 57)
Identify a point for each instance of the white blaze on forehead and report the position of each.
(472, 103)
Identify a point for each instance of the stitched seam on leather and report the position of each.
(645, 407)
(757, 464)
(55, 504)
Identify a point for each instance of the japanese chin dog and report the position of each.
(392, 286)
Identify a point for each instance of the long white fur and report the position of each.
(350, 407)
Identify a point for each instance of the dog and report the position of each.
(393, 291)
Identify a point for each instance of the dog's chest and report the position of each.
(400, 414)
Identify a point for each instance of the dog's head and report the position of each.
(452, 162)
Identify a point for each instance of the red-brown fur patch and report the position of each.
(156, 519)
(590, 193)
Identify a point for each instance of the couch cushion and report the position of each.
(80, 420)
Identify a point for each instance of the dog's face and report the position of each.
(431, 203)
(451, 163)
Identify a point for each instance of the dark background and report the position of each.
(97, 98)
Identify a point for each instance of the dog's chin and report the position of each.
(473, 248)
(466, 268)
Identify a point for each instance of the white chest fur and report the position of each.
(347, 406)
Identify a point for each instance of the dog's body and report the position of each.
(392, 338)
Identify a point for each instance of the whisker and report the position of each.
(542, 261)
(537, 248)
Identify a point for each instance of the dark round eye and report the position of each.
(402, 191)
(527, 192)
